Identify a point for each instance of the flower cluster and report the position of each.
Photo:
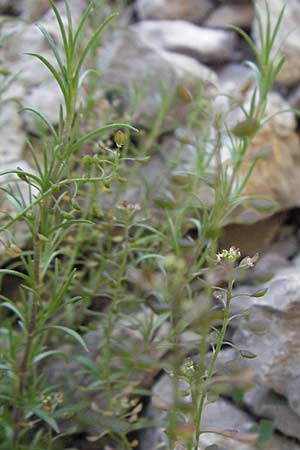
(230, 255)
(125, 206)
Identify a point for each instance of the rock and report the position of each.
(149, 77)
(276, 174)
(204, 44)
(189, 10)
(241, 15)
(46, 98)
(10, 6)
(288, 38)
(29, 71)
(251, 238)
(220, 415)
(235, 80)
(272, 332)
(13, 137)
(265, 403)
(32, 10)
(294, 98)
(28, 9)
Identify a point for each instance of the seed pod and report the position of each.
(246, 129)
(165, 200)
(184, 94)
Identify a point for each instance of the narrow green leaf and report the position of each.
(48, 353)
(46, 418)
(51, 42)
(70, 332)
(101, 130)
(70, 24)
(260, 294)
(54, 72)
(91, 43)
(43, 119)
(12, 308)
(246, 38)
(278, 23)
(14, 273)
(85, 75)
(61, 26)
(82, 22)
(247, 354)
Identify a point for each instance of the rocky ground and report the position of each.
(171, 42)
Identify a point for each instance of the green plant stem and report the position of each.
(211, 368)
(24, 366)
(112, 317)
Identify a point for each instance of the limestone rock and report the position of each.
(272, 332)
(10, 6)
(12, 135)
(220, 415)
(190, 10)
(46, 98)
(265, 403)
(28, 70)
(251, 238)
(288, 38)
(34, 10)
(276, 175)
(204, 44)
(234, 79)
(149, 77)
(240, 15)
(28, 9)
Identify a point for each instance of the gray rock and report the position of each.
(265, 403)
(219, 416)
(149, 76)
(234, 79)
(272, 332)
(241, 15)
(204, 44)
(28, 70)
(12, 135)
(10, 6)
(28, 9)
(294, 98)
(288, 38)
(190, 10)
(33, 9)
(46, 98)
(276, 175)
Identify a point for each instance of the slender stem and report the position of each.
(112, 317)
(24, 365)
(211, 368)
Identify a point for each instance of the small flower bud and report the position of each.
(13, 251)
(184, 94)
(87, 161)
(119, 139)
